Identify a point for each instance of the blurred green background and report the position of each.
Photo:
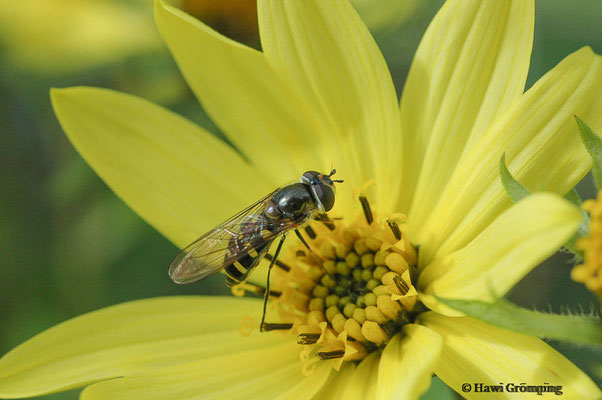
(68, 245)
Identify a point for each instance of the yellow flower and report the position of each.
(238, 18)
(320, 94)
(590, 272)
(60, 36)
(52, 36)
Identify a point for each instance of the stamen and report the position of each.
(394, 228)
(367, 210)
(266, 327)
(310, 232)
(248, 324)
(331, 355)
(254, 288)
(308, 338)
(590, 271)
(401, 284)
(328, 224)
(360, 296)
(278, 263)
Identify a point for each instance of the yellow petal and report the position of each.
(326, 52)
(255, 108)
(175, 175)
(406, 365)
(362, 385)
(471, 65)
(543, 152)
(129, 338)
(516, 242)
(268, 373)
(336, 386)
(476, 352)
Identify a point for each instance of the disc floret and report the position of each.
(352, 294)
(590, 271)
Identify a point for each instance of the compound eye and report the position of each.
(325, 194)
(309, 177)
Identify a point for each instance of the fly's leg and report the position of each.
(303, 240)
(267, 286)
(313, 255)
(326, 220)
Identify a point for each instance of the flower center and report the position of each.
(352, 292)
(590, 272)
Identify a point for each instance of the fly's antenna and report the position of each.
(332, 172)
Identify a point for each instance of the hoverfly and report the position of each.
(238, 244)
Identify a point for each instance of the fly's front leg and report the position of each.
(303, 240)
(326, 220)
(313, 255)
(267, 286)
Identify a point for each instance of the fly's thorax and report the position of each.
(294, 201)
(351, 296)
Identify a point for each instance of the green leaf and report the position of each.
(574, 197)
(515, 190)
(593, 145)
(438, 391)
(501, 313)
(571, 245)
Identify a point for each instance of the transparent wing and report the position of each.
(226, 243)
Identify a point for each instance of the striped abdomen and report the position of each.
(255, 236)
(240, 269)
